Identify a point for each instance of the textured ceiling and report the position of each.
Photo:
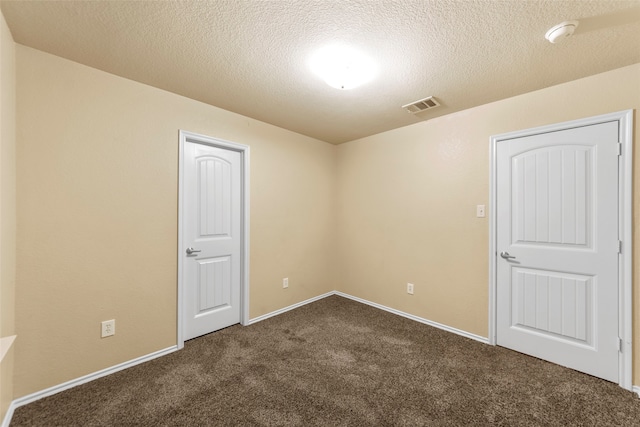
(251, 57)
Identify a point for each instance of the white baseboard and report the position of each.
(90, 377)
(636, 389)
(288, 308)
(8, 415)
(376, 305)
(417, 318)
(84, 379)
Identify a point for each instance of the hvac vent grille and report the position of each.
(421, 105)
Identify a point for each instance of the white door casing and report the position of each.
(213, 279)
(559, 209)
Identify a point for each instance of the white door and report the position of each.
(211, 225)
(557, 240)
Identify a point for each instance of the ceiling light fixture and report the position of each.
(561, 31)
(342, 67)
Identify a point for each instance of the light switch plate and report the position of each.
(480, 211)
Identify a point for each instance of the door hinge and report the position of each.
(619, 344)
(619, 149)
(619, 246)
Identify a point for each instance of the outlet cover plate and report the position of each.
(108, 328)
(410, 288)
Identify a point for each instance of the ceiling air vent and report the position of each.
(422, 105)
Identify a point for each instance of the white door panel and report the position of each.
(213, 284)
(212, 227)
(553, 304)
(557, 214)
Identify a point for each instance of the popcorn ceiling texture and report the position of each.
(251, 57)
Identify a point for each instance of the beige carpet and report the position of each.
(339, 363)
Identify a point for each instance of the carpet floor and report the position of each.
(337, 362)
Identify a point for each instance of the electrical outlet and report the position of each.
(108, 328)
(480, 213)
(410, 288)
(285, 282)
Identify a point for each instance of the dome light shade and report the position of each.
(342, 67)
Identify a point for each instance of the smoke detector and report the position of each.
(561, 31)
(421, 105)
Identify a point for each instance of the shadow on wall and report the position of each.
(596, 23)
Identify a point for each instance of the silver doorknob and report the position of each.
(191, 251)
(506, 255)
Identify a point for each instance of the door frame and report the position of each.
(625, 221)
(190, 137)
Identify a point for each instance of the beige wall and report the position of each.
(97, 211)
(97, 167)
(407, 201)
(7, 207)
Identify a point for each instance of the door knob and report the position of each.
(191, 251)
(506, 255)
